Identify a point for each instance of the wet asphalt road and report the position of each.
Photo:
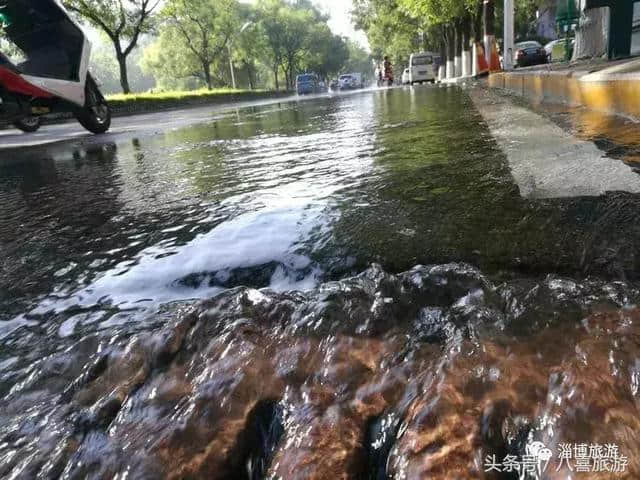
(178, 204)
(128, 126)
(439, 267)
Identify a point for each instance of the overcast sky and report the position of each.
(340, 21)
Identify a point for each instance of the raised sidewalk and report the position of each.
(611, 87)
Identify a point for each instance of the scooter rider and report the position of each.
(54, 76)
(388, 70)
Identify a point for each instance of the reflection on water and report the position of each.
(285, 196)
(616, 136)
(194, 208)
(421, 373)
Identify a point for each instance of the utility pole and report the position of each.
(231, 40)
(233, 75)
(507, 54)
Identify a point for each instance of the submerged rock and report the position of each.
(424, 374)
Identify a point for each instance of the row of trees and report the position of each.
(403, 26)
(399, 27)
(194, 43)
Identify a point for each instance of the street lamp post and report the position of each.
(231, 69)
(233, 75)
(507, 54)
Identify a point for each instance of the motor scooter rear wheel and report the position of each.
(28, 124)
(95, 116)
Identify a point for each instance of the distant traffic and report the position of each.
(310, 83)
(423, 68)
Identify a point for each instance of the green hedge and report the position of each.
(121, 103)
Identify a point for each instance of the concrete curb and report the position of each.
(608, 91)
(457, 80)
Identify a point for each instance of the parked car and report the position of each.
(422, 67)
(405, 77)
(556, 49)
(307, 83)
(350, 81)
(529, 53)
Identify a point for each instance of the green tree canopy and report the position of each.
(198, 40)
(204, 27)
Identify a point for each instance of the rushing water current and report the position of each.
(386, 292)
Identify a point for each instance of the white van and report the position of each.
(422, 67)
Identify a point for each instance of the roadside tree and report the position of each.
(592, 34)
(327, 53)
(358, 59)
(122, 22)
(171, 63)
(204, 28)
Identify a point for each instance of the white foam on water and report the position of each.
(68, 326)
(9, 326)
(251, 239)
(285, 196)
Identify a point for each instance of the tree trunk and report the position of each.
(458, 48)
(466, 32)
(450, 38)
(249, 77)
(466, 45)
(451, 50)
(458, 38)
(489, 18)
(489, 28)
(443, 49)
(289, 72)
(206, 68)
(477, 22)
(275, 75)
(592, 34)
(124, 78)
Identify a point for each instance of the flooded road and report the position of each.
(448, 278)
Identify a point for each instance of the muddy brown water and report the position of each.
(378, 301)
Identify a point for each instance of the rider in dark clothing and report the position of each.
(388, 71)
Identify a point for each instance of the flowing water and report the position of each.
(382, 297)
